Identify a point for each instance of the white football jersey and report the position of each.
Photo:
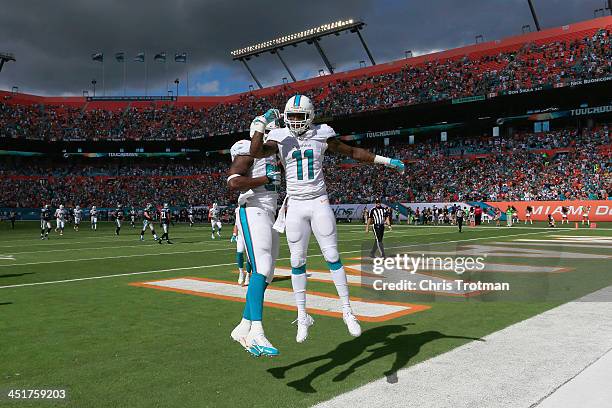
(302, 158)
(265, 195)
(59, 214)
(78, 214)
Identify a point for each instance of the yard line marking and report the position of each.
(7, 257)
(282, 298)
(219, 265)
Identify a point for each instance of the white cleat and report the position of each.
(240, 334)
(241, 278)
(303, 324)
(212, 236)
(352, 323)
(259, 345)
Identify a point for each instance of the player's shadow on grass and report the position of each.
(15, 275)
(404, 346)
(6, 303)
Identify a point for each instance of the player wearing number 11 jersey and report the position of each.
(301, 147)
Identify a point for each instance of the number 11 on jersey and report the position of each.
(309, 154)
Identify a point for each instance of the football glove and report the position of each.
(393, 163)
(260, 122)
(274, 177)
(234, 238)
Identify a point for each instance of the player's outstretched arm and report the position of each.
(237, 179)
(363, 155)
(259, 149)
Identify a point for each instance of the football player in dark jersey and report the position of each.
(165, 217)
(45, 222)
(133, 217)
(118, 219)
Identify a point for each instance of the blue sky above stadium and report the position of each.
(53, 41)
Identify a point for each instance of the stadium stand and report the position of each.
(558, 165)
(553, 58)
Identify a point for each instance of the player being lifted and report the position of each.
(133, 217)
(78, 216)
(93, 214)
(165, 216)
(190, 216)
(118, 218)
(243, 278)
(257, 180)
(45, 222)
(214, 215)
(301, 147)
(147, 221)
(60, 219)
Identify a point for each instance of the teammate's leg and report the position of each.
(240, 258)
(256, 222)
(219, 225)
(324, 229)
(298, 236)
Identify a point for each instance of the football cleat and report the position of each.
(303, 324)
(352, 323)
(240, 278)
(141, 238)
(259, 345)
(212, 236)
(240, 334)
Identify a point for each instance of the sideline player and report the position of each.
(564, 212)
(243, 279)
(78, 216)
(258, 181)
(93, 214)
(60, 219)
(45, 222)
(147, 221)
(301, 147)
(165, 217)
(215, 220)
(118, 219)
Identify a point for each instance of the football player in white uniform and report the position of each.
(118, 218)
(257, 180)
(60, 219)
(243, 278)
(190, 216)
(214, 214)
(301, 147)
(147, 221)
(93, 213)
(78, 216)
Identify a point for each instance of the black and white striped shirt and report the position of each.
(378, 215)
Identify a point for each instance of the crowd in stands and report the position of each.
(558, 165)
(533, 64)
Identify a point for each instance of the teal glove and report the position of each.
(234, 238)
(397, 164)
(273, 175)
(271, 115)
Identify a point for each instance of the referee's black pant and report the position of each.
(379, 231)
(460, 223)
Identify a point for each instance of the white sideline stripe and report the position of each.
(548, 243)
(518, 366)
(282, 297)
(226, 264)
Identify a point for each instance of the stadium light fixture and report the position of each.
(6, 57)
(526, 28)
(597, 11)
(408, 54)
(534, 15)
(311, 33)
(15, 90)
(479, 38)
(362, 64)
(176, 82)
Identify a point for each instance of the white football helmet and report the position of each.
(166, 205)
(214, 206)
(299, 114)
(94, 207)
(61, 207)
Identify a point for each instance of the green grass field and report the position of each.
(69, 318)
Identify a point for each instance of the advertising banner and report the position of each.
(601, 210)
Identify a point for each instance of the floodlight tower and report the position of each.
(534, 15)
(6, 57)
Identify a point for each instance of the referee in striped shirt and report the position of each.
(377, 218)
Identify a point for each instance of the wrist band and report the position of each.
(232, 176)
(382, 160)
